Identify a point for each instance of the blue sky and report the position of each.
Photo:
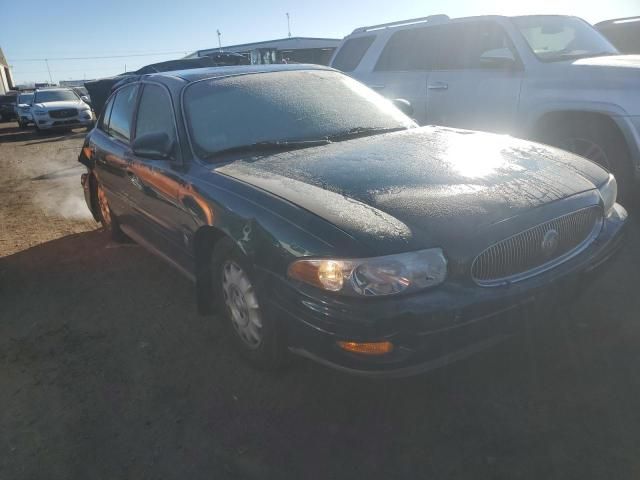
(64, 28)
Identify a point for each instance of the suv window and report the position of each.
(106, 115)
(352, 51)
(122, 113)
(463, 44)
(409, 50)
(155, 113)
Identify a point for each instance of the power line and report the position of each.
(150, 54)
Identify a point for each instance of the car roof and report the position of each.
(49, 89)
(195, 74)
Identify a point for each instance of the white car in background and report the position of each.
(55, 108)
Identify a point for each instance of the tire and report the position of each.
(257, 337)
(108, 220)
(599, 141)
(22, 125)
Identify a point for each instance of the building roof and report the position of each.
(291, 43)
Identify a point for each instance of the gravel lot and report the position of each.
(107, 371)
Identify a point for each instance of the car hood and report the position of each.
(619, 61)
(422, 187)
(56, 105)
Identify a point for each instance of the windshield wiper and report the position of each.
(268, 146)
(363, 132)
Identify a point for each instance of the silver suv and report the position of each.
(60, 108)
(550, 78)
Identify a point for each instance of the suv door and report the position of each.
(110, 146)
(401, 70)
(464, 88)
(156, 179)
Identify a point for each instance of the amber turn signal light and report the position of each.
(367, 348)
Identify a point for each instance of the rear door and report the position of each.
(111, 151)
(464, 89)
(401, 70)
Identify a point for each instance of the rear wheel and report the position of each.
(258, 337)
(599, 141)
(108, 220)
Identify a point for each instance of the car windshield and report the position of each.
(55, 96)
(25, 98)
(554, 38)
(290, 106)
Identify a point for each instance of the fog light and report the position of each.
(367, 348)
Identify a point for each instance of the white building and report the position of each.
(6, 80)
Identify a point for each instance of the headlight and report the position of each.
(609, 194)
(390, 275)
(40, 112)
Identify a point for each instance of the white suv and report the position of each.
(545, 77)
(60, 108)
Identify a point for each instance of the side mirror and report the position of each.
(498, 58)
(404, 106)
(85, 99)
(155, 145)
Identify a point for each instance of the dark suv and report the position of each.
(8, 106)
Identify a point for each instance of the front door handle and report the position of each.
(438, 86)
(377, 87)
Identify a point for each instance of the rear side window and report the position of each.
(411, 49)
(122, 113)
(155, 114)
(352, 51)
(106, 115)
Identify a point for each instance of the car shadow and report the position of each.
(104, 354)
(11, 133)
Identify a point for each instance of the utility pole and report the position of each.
(289, 24)
(49, 70)
(219, 40)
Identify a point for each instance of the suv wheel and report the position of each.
(600, 142)
(256, 336)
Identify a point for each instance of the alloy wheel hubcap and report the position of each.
(587, 149)
(241, 300)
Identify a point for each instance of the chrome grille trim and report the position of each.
(520, 256)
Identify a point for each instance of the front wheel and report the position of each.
(601, 143)
(257, 336)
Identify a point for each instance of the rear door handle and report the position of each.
(133, 178)
(438, 86)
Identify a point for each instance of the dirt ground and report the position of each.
(107, 371)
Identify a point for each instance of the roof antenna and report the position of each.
(219, 40)
(289, 24)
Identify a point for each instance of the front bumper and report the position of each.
(46, 123)
(433, 328)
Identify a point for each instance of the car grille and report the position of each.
(538, 249)
(63, 113)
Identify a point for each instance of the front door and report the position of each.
(156, 180)
(469, 86)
